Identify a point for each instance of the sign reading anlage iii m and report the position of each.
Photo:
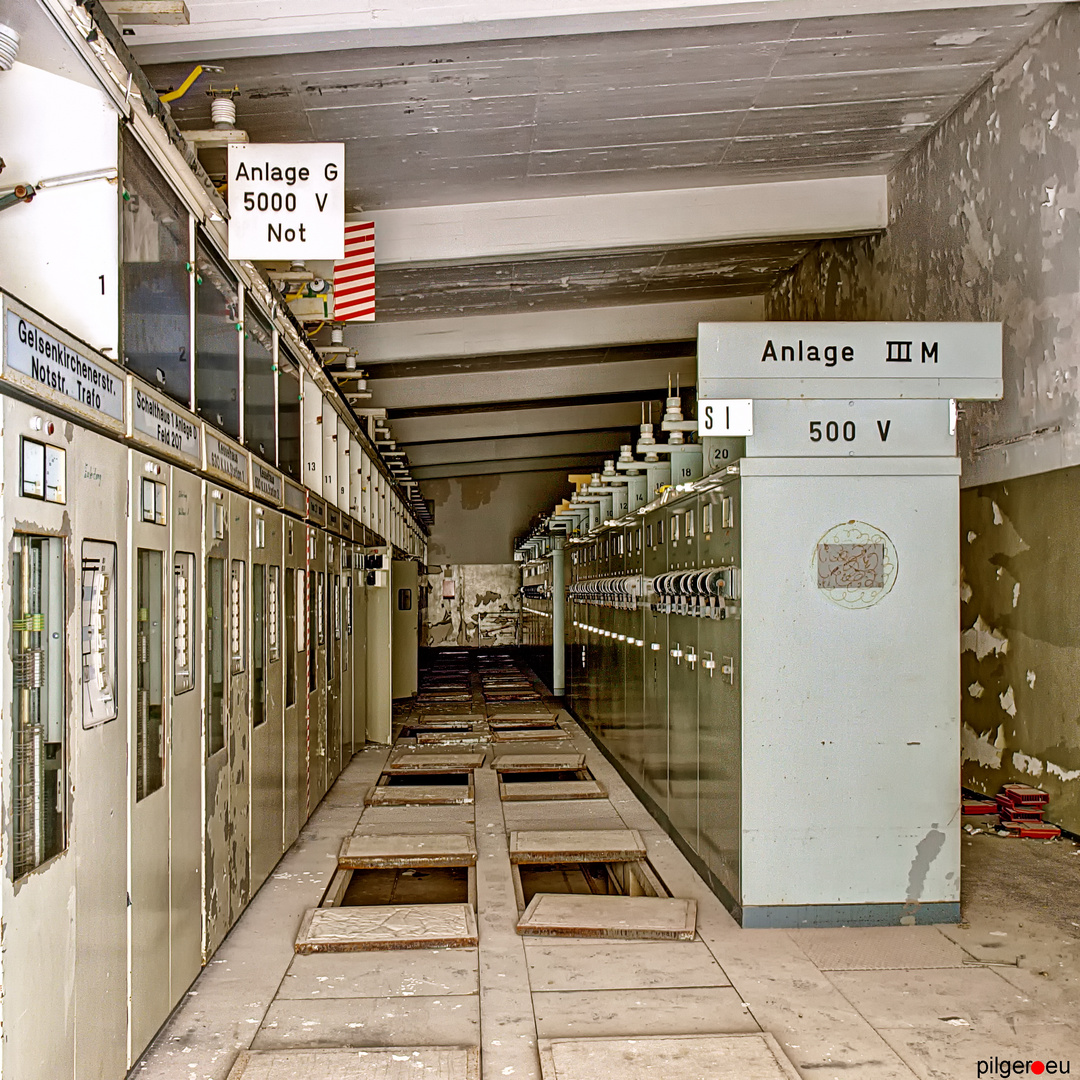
(822, 360)
(286, 200)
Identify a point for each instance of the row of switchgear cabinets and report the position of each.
(190, 671)
(652, 659)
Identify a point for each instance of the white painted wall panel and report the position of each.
(58, 253)
(850, 717)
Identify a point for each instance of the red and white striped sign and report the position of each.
(354, 276)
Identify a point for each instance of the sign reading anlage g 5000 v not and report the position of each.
(286, 200)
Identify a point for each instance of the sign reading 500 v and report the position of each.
(286, 200)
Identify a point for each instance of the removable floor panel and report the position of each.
(552, 790)
(457, 713)
(524, 734)
(433, 761)
(620, 878)
(367, 851)
(385, 1063)
(507, 715)
(420, 795)
(452, 740)
(532, 723)
(558, 761)
(641, 918)
(357, 929)
(670, 1057)
(576, 845)
(614, 965)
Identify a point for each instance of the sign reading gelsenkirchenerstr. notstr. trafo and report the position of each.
(852, 360)
(43, 359)
(286, 200)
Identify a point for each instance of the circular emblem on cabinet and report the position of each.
(855, 565)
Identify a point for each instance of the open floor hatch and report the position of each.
(404, 870)
(593, 883)
(422, 789)
(546, 777)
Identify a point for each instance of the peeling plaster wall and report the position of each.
(985, 225)
(477, 519)
(1020, 614)
(484, 609)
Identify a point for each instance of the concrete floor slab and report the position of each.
(878, 948)
(984, 945)
(979, 997)
(633, 1013)
(508, 1026)
(587, 814)
(621, 965)
(711, 1057)
(386, 1021)
(397, 1063)
(950, 1053)
(408, 819)
(1019, 902)
(406, 973)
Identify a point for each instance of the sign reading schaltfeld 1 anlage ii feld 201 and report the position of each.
(852, 360)
(286, 200)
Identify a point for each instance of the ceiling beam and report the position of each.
(532, 331)
(787, 209)
(570, 463)
(620, 415)
(216, 32)
(515, 448)
(530, 384)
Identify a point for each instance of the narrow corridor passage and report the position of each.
(881, 1003)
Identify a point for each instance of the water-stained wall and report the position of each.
(472, 605)
(985, 225)
(478, 518)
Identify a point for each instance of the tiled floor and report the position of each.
(875, 1004)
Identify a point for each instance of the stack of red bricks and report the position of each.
(1022, 808)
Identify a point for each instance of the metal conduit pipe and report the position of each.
(558, 615)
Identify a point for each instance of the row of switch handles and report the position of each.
(708, 661)
(702, 584)
(682, 589)
(619, 590)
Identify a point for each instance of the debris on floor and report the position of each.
(1022, 808)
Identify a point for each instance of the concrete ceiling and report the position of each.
(677, 106)
(562, 191)
(582, 280)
